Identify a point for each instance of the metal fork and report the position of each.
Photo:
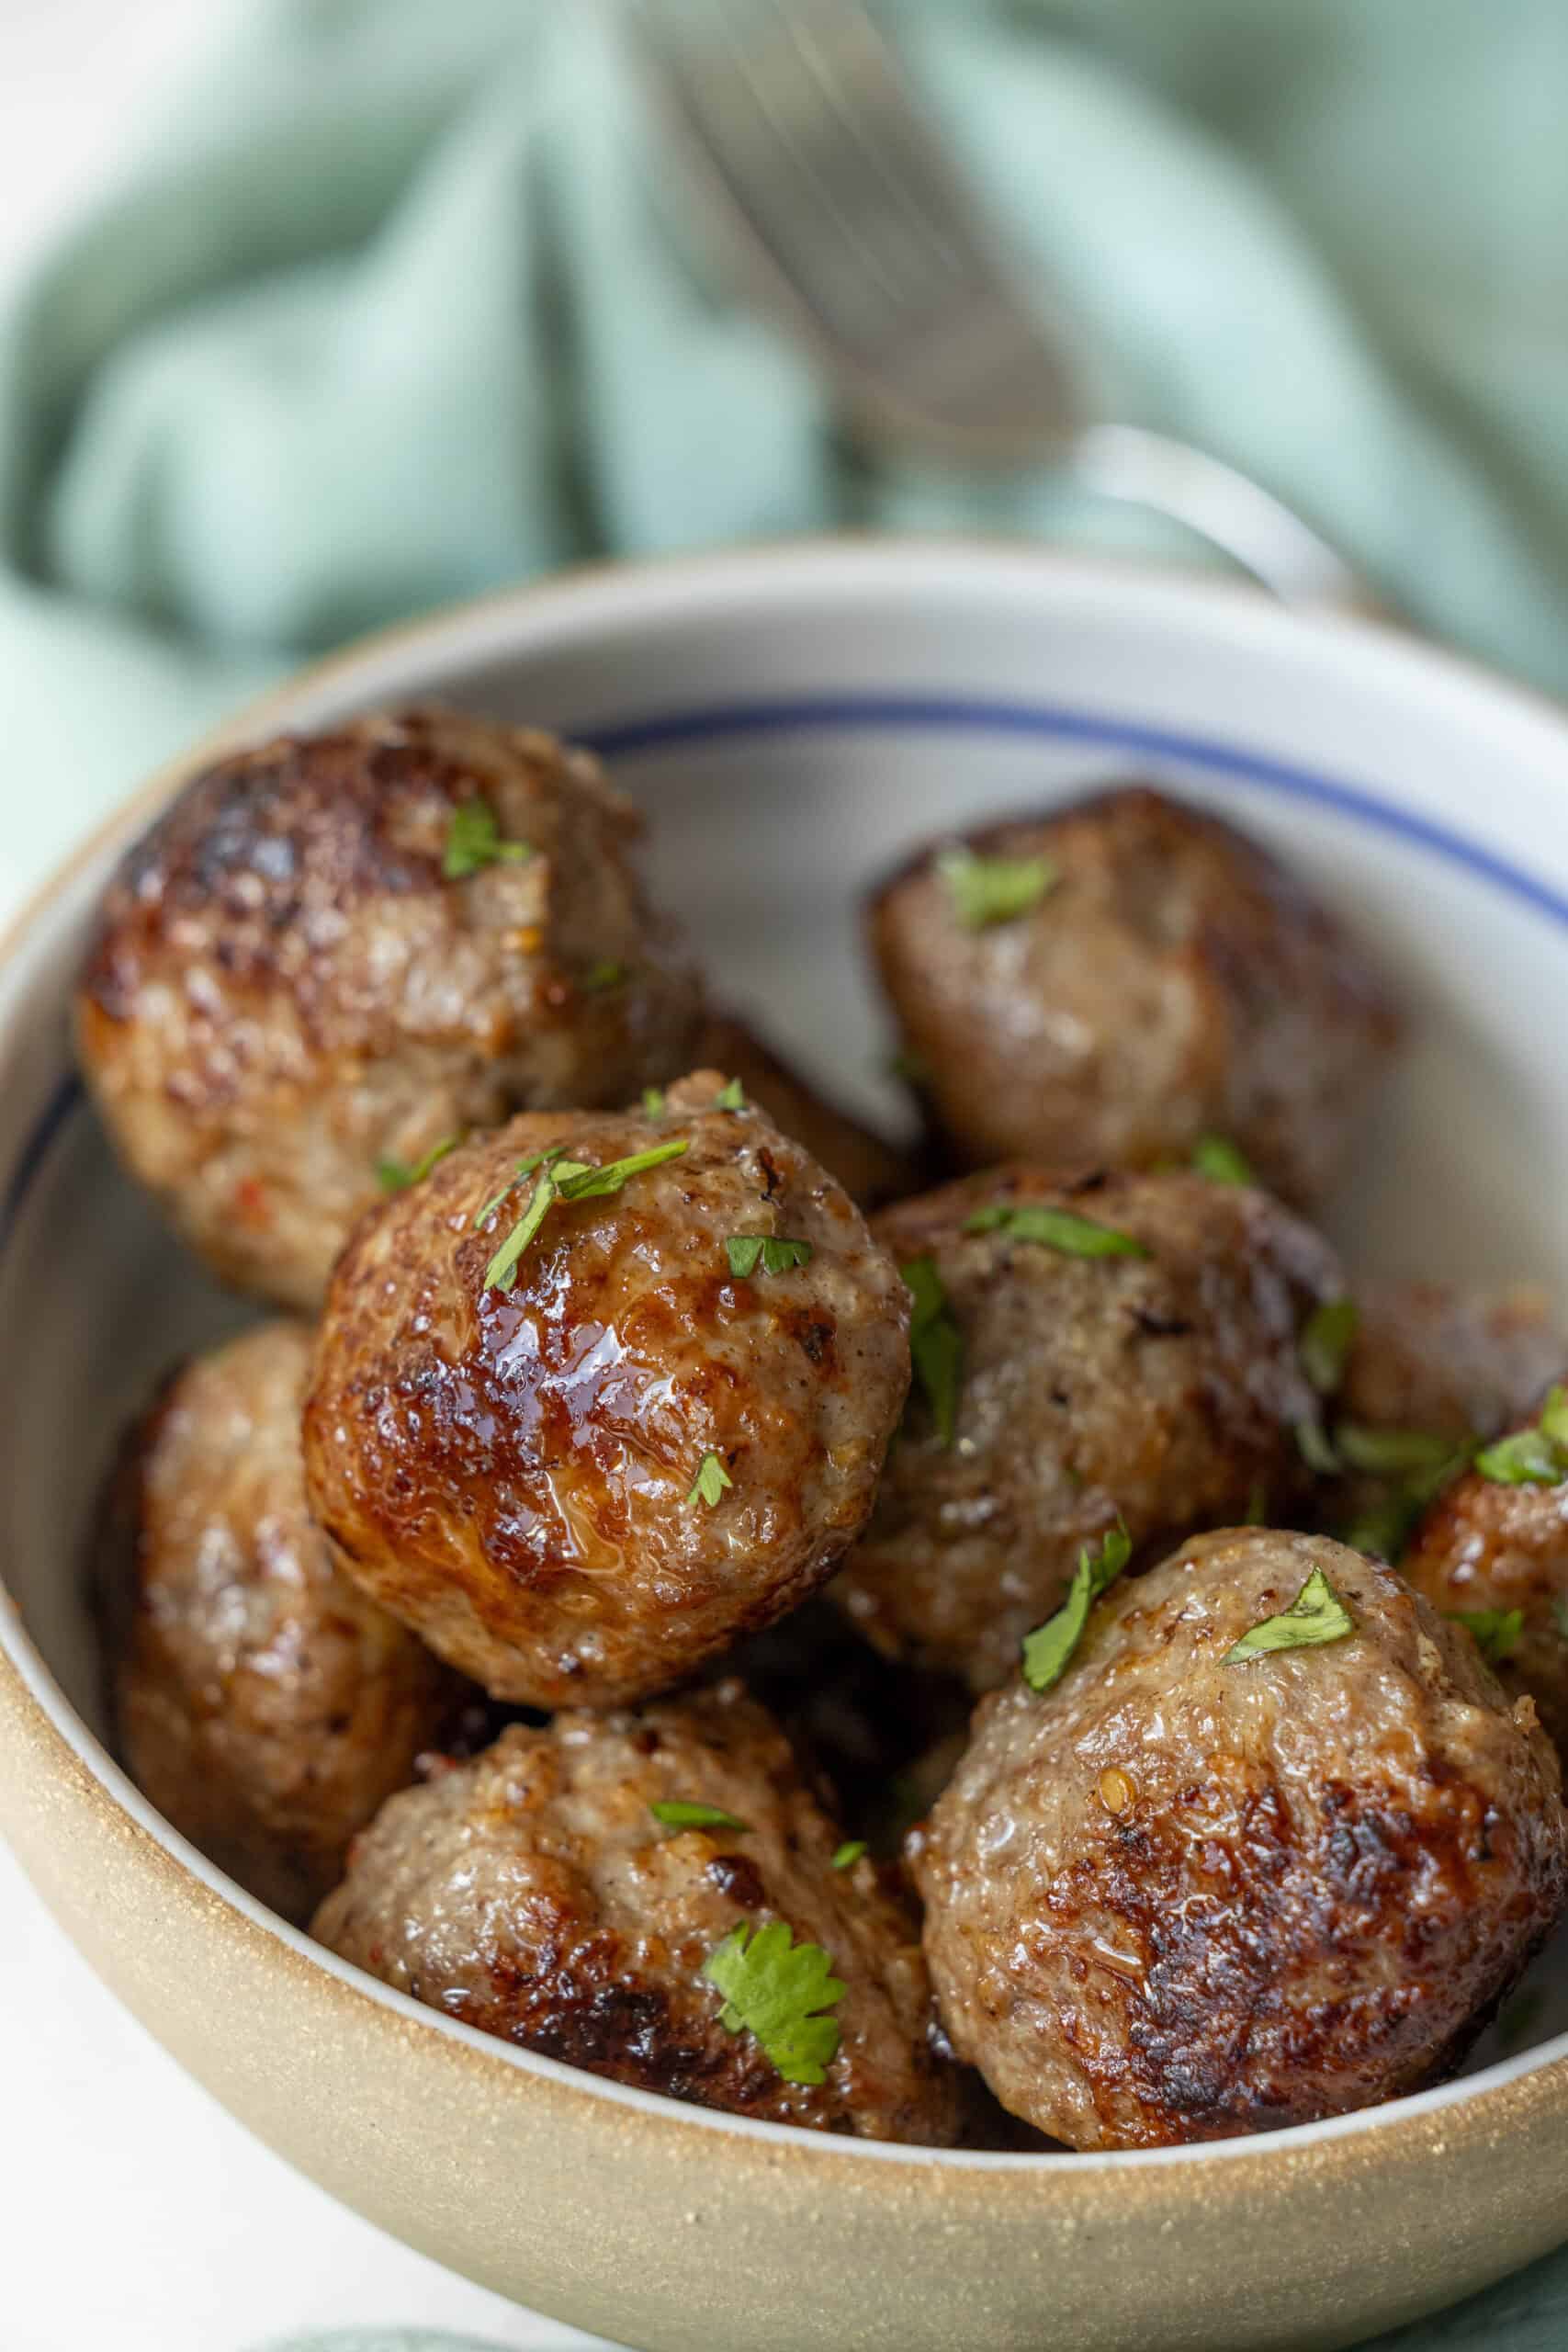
(838, 208)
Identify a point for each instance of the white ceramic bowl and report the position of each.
(793, 718)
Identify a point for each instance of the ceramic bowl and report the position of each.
(792, 718)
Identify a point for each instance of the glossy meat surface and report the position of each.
(1172, 1899)
(286, 989)
(1172, 982)
(515, 1472)
(533, 1893)
(1164, 1390)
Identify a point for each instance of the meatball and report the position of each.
(582, 1475)
(870, 1169)
(335, 953)
(1178, 1897)
(1163, 1389)
(535, 1893)
(1496, 1542)
(261, 1701)
(1115, 979)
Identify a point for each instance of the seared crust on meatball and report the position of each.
(286, 989)
(870, 1169)
(1173, 981)
(534, 1895)
(263, 1703)
(1173, 1899)
(1164, 1390)
(518, 1473)
(1483, 1546)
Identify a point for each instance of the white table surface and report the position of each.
(138, 2218)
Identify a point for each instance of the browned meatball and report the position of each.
(868, 1168)
(533, 1893)
(1496, 1542)
(1431, 1369)
(334, 952)
(1175, 1897)
(1163, 1389)
(582, 1487)
(263, 1703)
(1161, 979)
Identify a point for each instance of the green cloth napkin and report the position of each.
(381, 315)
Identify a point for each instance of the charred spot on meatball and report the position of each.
(1116, 980)
(563, 1437)
(1205, 1885)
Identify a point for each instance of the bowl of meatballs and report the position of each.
(787, 1449)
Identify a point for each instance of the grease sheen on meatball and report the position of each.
(533, 1893)
(1171, 1899)
(287, 989)
(262, 1701)
(1164, 1390)
(514, 1472)
(1173, 981)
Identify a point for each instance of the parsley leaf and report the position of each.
(1325, 1343)
(524, 1167)
(710, 1481)
(1075, 1236)
(1048, 1651)
(731, 1097)
(397, 1175)
(1312, 1444)
(1221, 1161)
(473, 842)
(677, 1813)
(1496, 1631)
(778, 1255)
(502, 1270)
(1394, 1454)
(986, 890)
(936, 1344)
(849, 1853)
(653, 1102)
(1315, 1616)
(606, 973)
(1534, 1457)
(776, 1990)
(583, 1183)
(566, 1179)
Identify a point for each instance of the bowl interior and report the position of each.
(792, 724)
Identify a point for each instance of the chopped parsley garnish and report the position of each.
(397, 1175)
(731, 1097)
(474, 842)
(1048, 1651)
(1384, 1528)
(778, 1255)
(1312, 1442)
(1075, 1237)
(565, 1180)
(1221, 1161)
(936, 1345)
(1496, 1632)
(1394, 1453)
(676, 1813)
(1534, 1457)
(608, 974)
(653, 1102)
(986, 890)
(1315, 1616)
(710, 1481)
(849, 1853)
(777, 1991)
(1327, 1337)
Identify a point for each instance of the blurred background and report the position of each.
(315, 314)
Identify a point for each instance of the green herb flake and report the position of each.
(731, 1097)
(1394, 1453)
(579, 1182)
(1383, 1529)
(1534, 1457)
(1222, 1161)
(474, 842)
(1048, 1650)
(710, 1481)
(501, 1272)
(653, 1102)
(936, 1344)
(778, 1255)
(1315, 1616)
(397, 1175)
(778, 1992)
(606, 973)
(1497, 1632)
(849, 1853)
(1052, 1228)
(676, 1813)
(1313, 1446)
(986, 890)
(1327, 1337)
(565, 1180)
